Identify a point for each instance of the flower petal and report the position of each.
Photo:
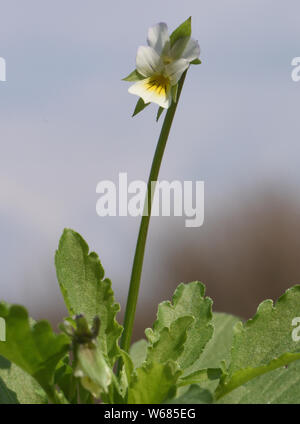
(144, 89)
(178, 47)
(175, 69)
(192, 50)
(158, 37)
(148, 61)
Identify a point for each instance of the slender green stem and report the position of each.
(52, 395)
(142, 237)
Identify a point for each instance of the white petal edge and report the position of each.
(139, 89)
(158, 36)
(192, 50)
(178, 48)
(148, 61)
(175, 70)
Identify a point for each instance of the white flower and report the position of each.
(162, 64)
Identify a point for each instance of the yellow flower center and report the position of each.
(159, 84)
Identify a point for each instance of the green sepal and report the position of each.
(133, 76)
(183, 31)
(159, 113)
(93, 369)
(174, 92)
(195, 62)
(141, 105)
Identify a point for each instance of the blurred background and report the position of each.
(65, 125)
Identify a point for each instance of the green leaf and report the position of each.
(194, 395)
(168, 343)
(69, 384)
(196, 62)
(66, 381)
(281, 386)
(138, 352)
(16, 386)
(154, 383)
(263, 343)
(35, 349)
(80, 275)
(218, 348)
(201, 376)
(133, 76)
(125, 376)
(159, 113)
(188, 300)
(7, 396)
(229, 383)
(183, 31)
(141, 105)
